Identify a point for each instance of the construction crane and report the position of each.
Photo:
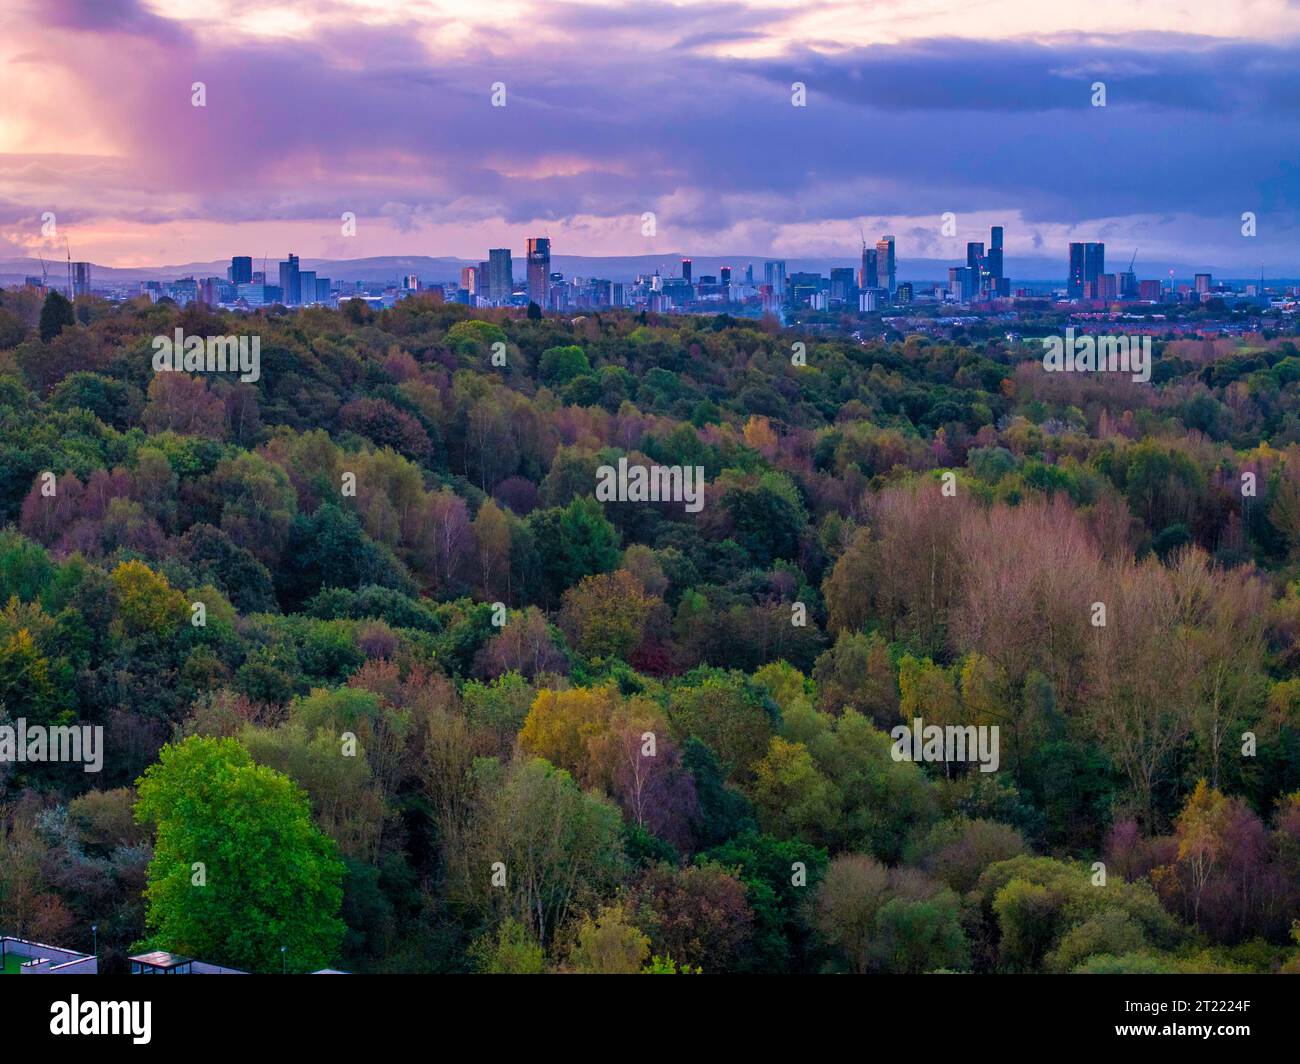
(68, 246)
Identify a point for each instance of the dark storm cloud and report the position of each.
(365, 118)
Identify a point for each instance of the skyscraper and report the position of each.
(774, 278)
(501, 275)
(869, 273)
(469, 279)
(841, 284)
(885, 265)
(1087, 263)
(539, 270)
(686, 270)
(306, 286)
(290, 287)
(241, 269)
(725, 281)
(80, 279)
(993, 262)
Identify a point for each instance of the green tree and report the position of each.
(608, 944)
(573, 542)
(56, 315)
(239, 869)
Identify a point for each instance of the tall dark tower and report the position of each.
(1087, 263)
(539, 270)
(994, 261)
(686, 270)
(869, 274)
(290, 282)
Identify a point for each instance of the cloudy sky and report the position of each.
(914, 107)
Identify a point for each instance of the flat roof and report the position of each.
(160, 959)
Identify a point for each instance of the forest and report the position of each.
(382, 682)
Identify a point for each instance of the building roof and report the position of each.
(160, 959)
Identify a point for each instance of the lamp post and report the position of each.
(284, 961)
(94, 931)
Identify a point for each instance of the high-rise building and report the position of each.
(80, 279)
(842, 285)
(868, 272)
(1204, 282)
(725, 281)
(539, 270)
(469, 279)
(993, 262)
(686, 270)
(501, 275)
(774, 278)
(241, 269)
(290, 290)
(306, 286)
(1149, 291)
(976, 264)
(962, 283)
(885, 264)
(904, 296)
(1087, 263)
(1106, 287)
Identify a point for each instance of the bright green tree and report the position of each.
(239, 870)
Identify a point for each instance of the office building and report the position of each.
(869, 271)
(962, 282)
(774, 278)
(290, 290)
(885, 264)
(501, 276)
(686, 270)
(241, 269)
(842, 286)
(306, 286)
(539, 271)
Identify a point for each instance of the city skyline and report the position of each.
(908, 115)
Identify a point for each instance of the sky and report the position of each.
(914, 108)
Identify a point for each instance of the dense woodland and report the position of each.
(495, 809)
